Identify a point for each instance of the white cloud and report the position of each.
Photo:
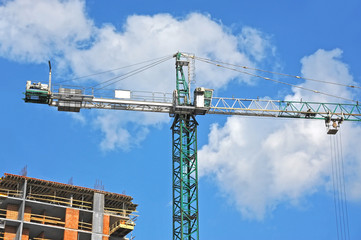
(80, 118)
(255, 43)
(146, 37)
(326, 66)
(261, 163)
(125, 130)
(35, 31)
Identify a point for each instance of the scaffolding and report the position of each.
(38, 209)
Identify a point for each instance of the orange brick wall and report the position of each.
(27, 214)
(70, 235)
(25, 235)
(71, 218)
(106, 220)
(9, 233)
(12, 211)
(72, 222)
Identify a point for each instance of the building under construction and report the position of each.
(37, 209)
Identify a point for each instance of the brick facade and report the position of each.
(71, 222)
(12, 211)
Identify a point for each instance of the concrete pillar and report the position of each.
(98, 213)
(16, 212)
(19, 233)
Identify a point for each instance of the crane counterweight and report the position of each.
(37, 93)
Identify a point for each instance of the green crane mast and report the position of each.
(185, 163)
(184, 127)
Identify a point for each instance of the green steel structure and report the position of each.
(184, 127)
(185, 165)
(285, 109)
(185, 178)
(182, 84)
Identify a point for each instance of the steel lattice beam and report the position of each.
(285, 109)
(185, 165)
(185, 178)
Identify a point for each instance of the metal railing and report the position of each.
(110, 93)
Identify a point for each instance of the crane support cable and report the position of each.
(114, 69)
(277, 81)
(335, 198)
(339, 189)
(131, 73)
(276, 73)
(343, 186)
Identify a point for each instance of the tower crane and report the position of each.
(184, 110)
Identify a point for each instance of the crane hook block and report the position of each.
(332, 129)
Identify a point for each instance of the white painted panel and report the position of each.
(200, 100)
(122, 94)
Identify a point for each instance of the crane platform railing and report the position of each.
(86, 93)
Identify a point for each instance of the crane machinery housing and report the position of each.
(184, 110)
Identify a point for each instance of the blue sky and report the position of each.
(260, 178)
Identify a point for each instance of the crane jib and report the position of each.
(74, 99)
